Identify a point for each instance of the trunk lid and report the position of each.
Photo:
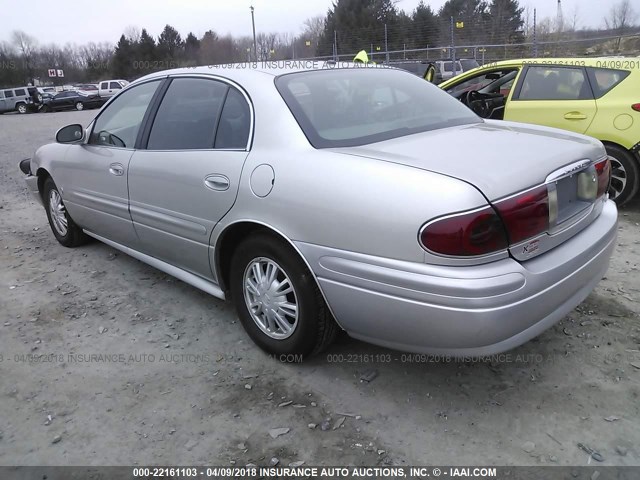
(498, 158)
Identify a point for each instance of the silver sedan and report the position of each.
(338, 197)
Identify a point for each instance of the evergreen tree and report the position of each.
(170, 44)
(146, 52)
(192, 49)
(357, 24)
(426, 29)
(474, 15)
(121, 64)
(507, 21)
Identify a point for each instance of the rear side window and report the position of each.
(235, 122)
(187, 117)
(8, 93)
(20, 92)
(555, 83)
(104, 85)
(604, 79)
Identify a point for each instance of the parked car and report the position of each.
(392, 210)
(21, 100)
(593, 96)
(86, 88)
(108, 88)
(70, 100)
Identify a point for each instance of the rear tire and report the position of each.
(312, 329)
(625, 174)
(62, 225)
(79, 106)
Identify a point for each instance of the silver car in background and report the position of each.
(359, 198)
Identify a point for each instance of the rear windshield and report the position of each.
(357, 106)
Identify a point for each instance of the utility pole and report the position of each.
(335, 45)
(386, 44)
(453, 50)
(255, 44)
(535, 38)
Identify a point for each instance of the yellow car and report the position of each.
(599, 97)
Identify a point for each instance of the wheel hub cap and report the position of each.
(270, 298)
(58, 213)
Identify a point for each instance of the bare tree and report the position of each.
(621, 17)
(132, 33)
(574, 19)
(26, 46)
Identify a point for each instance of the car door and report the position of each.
(187, 178)
(555, 96)
(95, 189)
(10, 100)
(3, 102)
(114, 87)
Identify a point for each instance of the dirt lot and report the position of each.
(175, 380)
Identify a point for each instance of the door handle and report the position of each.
(575, 116)
(116, 169)
(216, 182)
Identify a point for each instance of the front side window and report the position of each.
(115, 86)
(119, 123)
(604, 79)
(555, 83)
(187, 117)
(357, 106)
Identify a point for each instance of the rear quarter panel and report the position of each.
(616, 121)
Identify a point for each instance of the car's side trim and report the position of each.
(187, 277)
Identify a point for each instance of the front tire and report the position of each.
(278, 300)
(21, 108)
(62, 225)
(79, 106)
(625, 175)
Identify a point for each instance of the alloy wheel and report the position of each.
(618, 178)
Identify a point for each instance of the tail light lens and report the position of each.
(525, 215)
(603, 171)
(478, 232)
(636, 107)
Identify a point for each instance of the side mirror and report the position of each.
(70, 134)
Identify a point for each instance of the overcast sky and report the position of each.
(99, 21)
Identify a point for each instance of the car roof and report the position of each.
(241, 71)
(624, 63)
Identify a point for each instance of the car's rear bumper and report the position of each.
(462, 311)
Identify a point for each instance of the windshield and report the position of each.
(357, 106)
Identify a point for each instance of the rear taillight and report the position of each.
(473, 233)
(636, 107)
(525, 215)
(603, 171)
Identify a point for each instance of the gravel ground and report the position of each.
(108, 361)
